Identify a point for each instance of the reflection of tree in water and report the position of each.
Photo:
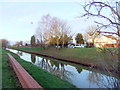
(59, 70)
(108, 59)
(79, 69)
(109, 82)
(20, 53)
(44, 64)
(103, 80)
(94, 77)
(33, 58)
(54, 67)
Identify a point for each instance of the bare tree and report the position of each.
(60, 29)
(97, 9)
(4, 43)
(19, 43)
(91, 33)
(43, 29)
(52, 27)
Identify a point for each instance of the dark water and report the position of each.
(75, 74)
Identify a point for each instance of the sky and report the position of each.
(16, 17)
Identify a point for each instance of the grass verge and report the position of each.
(8, 76)
(36, 49)
(45, 79)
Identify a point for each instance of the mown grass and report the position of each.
(45, 79)
(8, 75)
(37, 49)
(92, 56)
(78, 54)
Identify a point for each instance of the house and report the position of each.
(105, 41)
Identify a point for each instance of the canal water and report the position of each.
(73, 73)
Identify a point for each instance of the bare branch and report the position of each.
(99, 7)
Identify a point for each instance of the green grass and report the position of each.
(8, 75)
(45, 79)
(78, 54)
(28, 49)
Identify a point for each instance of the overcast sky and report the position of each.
(16, 17)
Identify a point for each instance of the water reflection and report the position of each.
(75, 74)
(33, 58)
(20, 53)
(94, 77)
(103, 80)
(54, 67)
(79, 69)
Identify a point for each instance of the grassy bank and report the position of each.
(91, 56)
(37, 49)
(45, 79)
(8, 75)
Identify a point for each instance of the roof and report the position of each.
(110, 36)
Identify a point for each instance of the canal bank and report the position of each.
(75, 74)
(102, 65)
(9, 79)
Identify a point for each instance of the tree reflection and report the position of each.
(103, 81)
(94, 77)
(33, 58)
(60, 71)
(79, 69)
(55, 67)
(20, 53)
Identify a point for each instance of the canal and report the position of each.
(79, 76)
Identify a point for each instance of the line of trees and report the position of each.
(54, 31)
(19, 43)
(63, 40)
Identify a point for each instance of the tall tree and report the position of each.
(79, 39)
(33, 41)
(52, 27)
(43, 30)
